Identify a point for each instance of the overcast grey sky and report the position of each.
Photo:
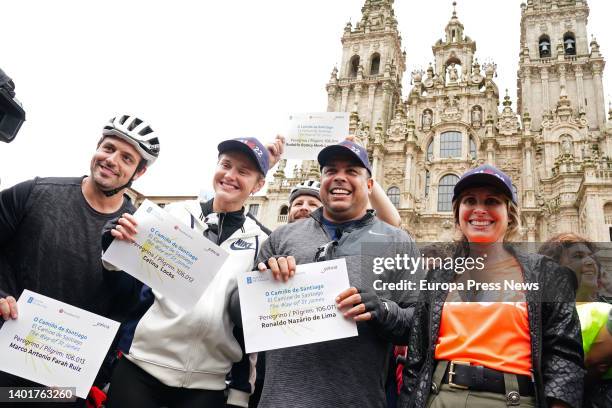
(201, 71)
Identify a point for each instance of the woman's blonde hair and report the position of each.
(514, 217)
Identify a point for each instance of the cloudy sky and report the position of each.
(201, 71)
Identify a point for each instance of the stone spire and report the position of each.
(377, 15)
(372, 66)
(454, 28)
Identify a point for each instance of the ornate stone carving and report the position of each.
(428, 82)
(476, 116)
(451, 109)
(363, 133)
(334, 75)
(508, 122)
(567, 147)
(452, 73)
(563, 113)
(427, 119)
(397, 130)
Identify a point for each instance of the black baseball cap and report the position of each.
(485, 175)
(341, 149)
(251, 147)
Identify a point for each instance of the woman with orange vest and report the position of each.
(474, 341)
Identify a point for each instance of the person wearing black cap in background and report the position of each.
(179, 358)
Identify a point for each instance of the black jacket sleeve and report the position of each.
(12, 208)
(125, 288)
(396, 326)
(418, 346)
(562, 353)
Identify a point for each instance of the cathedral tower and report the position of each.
(368, 80)
(557, 58)
(557, 149)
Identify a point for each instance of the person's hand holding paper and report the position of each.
(163, 253)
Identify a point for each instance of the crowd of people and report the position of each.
(461, 347)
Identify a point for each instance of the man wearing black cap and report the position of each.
(175, 357)
(347, 372)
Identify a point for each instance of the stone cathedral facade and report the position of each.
(555, 145)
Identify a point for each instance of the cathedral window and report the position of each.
(544, 46)
(569, 44)
(427, 182)
(430, 151)
(450, 144)
(354, 67)
(445, 192)
(394, 196)
(375, 64)
(472, 148)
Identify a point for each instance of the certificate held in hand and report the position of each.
(300, 311)
(55, 344)
(309, 133)
(168, 256)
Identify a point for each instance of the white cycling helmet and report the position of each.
(308, 187)
(136, 132)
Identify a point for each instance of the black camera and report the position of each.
(12, 114)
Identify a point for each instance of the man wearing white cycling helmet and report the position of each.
(50, 227)
(304, 199)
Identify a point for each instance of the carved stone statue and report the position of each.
(334, 74)
(566, 146)
(452, 73)
(427, 119)
(476, 116)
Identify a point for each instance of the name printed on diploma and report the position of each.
(300, 311)
(168, 256)
(309, 133)
(55, 344)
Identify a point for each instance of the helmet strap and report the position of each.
(110, 193)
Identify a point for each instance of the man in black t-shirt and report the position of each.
(50, 227)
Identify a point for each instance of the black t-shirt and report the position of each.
(50, 244)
